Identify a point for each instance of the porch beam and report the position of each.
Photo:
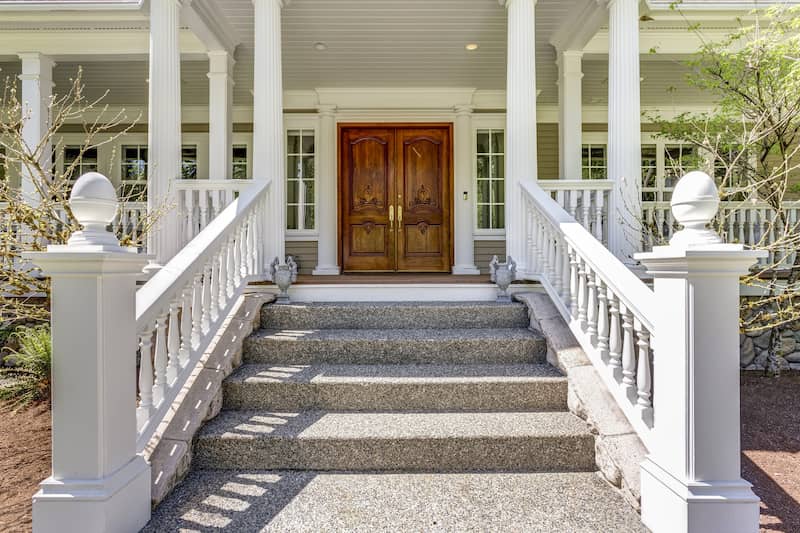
(624, 127)
(268, 131)
(327, 200)
(521, 160)
(37, 90)
(570, 113)
(208, 22)
(164, 127)
(464, 260)
(220, 114)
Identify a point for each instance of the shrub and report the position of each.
(29, 380)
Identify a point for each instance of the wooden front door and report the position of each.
(395, 186)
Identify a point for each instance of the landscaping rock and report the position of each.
(761, 359)
(762, 341)
(747, 350)
(793, 357)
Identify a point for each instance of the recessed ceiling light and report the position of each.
(320, 46)
(472, 47)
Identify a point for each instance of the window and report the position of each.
(649, 172)
(300, 196)
(134, 172)
(678, 160)
(239, 162)
(189, 162)
(490, 168)
(82, 163)
(594, 163)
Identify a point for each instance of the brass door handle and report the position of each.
(391, 217)
(399, 214)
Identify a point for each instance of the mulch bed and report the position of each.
(24, 462)
(770, 458)
(771, 447)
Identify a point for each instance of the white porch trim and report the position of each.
(37, 90)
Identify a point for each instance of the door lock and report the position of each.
(391, 217)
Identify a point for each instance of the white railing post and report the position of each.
(98, 482)
(691, 481)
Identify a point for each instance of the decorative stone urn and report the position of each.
(695, 202)
(283, 275)
(502, 274)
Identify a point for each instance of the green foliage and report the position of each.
(29, 380)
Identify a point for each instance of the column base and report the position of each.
(671, 505)
(326, 270)
(119, 502)
(466, 270)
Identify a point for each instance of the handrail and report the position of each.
(181, 308)
(608, 308)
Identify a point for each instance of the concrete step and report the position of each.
(395, 315)
(319, 440)
(395, 346)
(366, 503)
(396, 387)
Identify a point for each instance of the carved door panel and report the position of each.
(395, 190)
(367, 192)
(423, 199)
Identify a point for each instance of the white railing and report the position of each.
(199, 201)
(181, 308)
(586, 200)
(606, 306)
(750, 223)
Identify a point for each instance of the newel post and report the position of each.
(98, 482)
(691, 480)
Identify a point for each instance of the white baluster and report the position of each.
(160, 385)
(173, 343)
(237, 262)
(242, 244)
(186, 326)
(582, 293)
(573, 204)
(145, 407)
(628, 355)
(214, 296)
(598, 224)
(197, 310)
(565, 270)
(224, 275)
(228, 256)
(602, 319)
(203, 206)
(591, 306)
(188, 198)
(614, 337)
(587, 208)
(558, 267)
(206, 317)
(644, 380)
(573, 283)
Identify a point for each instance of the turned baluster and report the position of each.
(558, 266)
(573, 204)
(565, 270)
(186, 326)
(591, 306)
(628, 355)
(573, 283)
(160, 384)
(560, 199)
(197, 310)
(145, 408)
(614, 337)
(228, 256)
(203, 205)
(587, 209)
(214, 295)
(188, 199)
(598, 215)
(602, 319)
(224, 274)
(173, 343)
(206, 317)
(582, 293)
(242, 244)
(644, 378)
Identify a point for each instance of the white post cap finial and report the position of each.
(94, 203)
(695, 202)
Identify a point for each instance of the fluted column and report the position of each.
(521, 162)
(37, 89)
(624, 127)
(220, 110)
(268, 131)
(570, 118)
(327, 261)
(164, 128)
(464, 260)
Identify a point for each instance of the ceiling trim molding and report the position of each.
(395, 98)
(208, 22)
(50, 5)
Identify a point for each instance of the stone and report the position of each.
(787, 345)
(747, 351)
(762, 341)
(793, 357)
(761, 359)
(794, 366)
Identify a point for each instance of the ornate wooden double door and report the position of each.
(395, 190)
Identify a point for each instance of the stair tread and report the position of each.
(257, 500)
(393, 335)
(250, 425)
(258, 373)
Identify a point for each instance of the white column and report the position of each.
(220, 114)
(521, 161)
(691, 480)
(268, 131)
(624, 129)
(37, 89)
(464, 260)
(164, 128)
(327, 260)
(98, 482)
(570, 117)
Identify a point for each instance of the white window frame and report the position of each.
(485, 122)
(305, 123)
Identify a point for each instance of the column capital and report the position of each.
(326, 110)
(220, 62)
(507, 3)
(33, 63)
(462, 110)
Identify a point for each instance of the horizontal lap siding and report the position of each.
(304, 253)
(484, 250)
(547, 151)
